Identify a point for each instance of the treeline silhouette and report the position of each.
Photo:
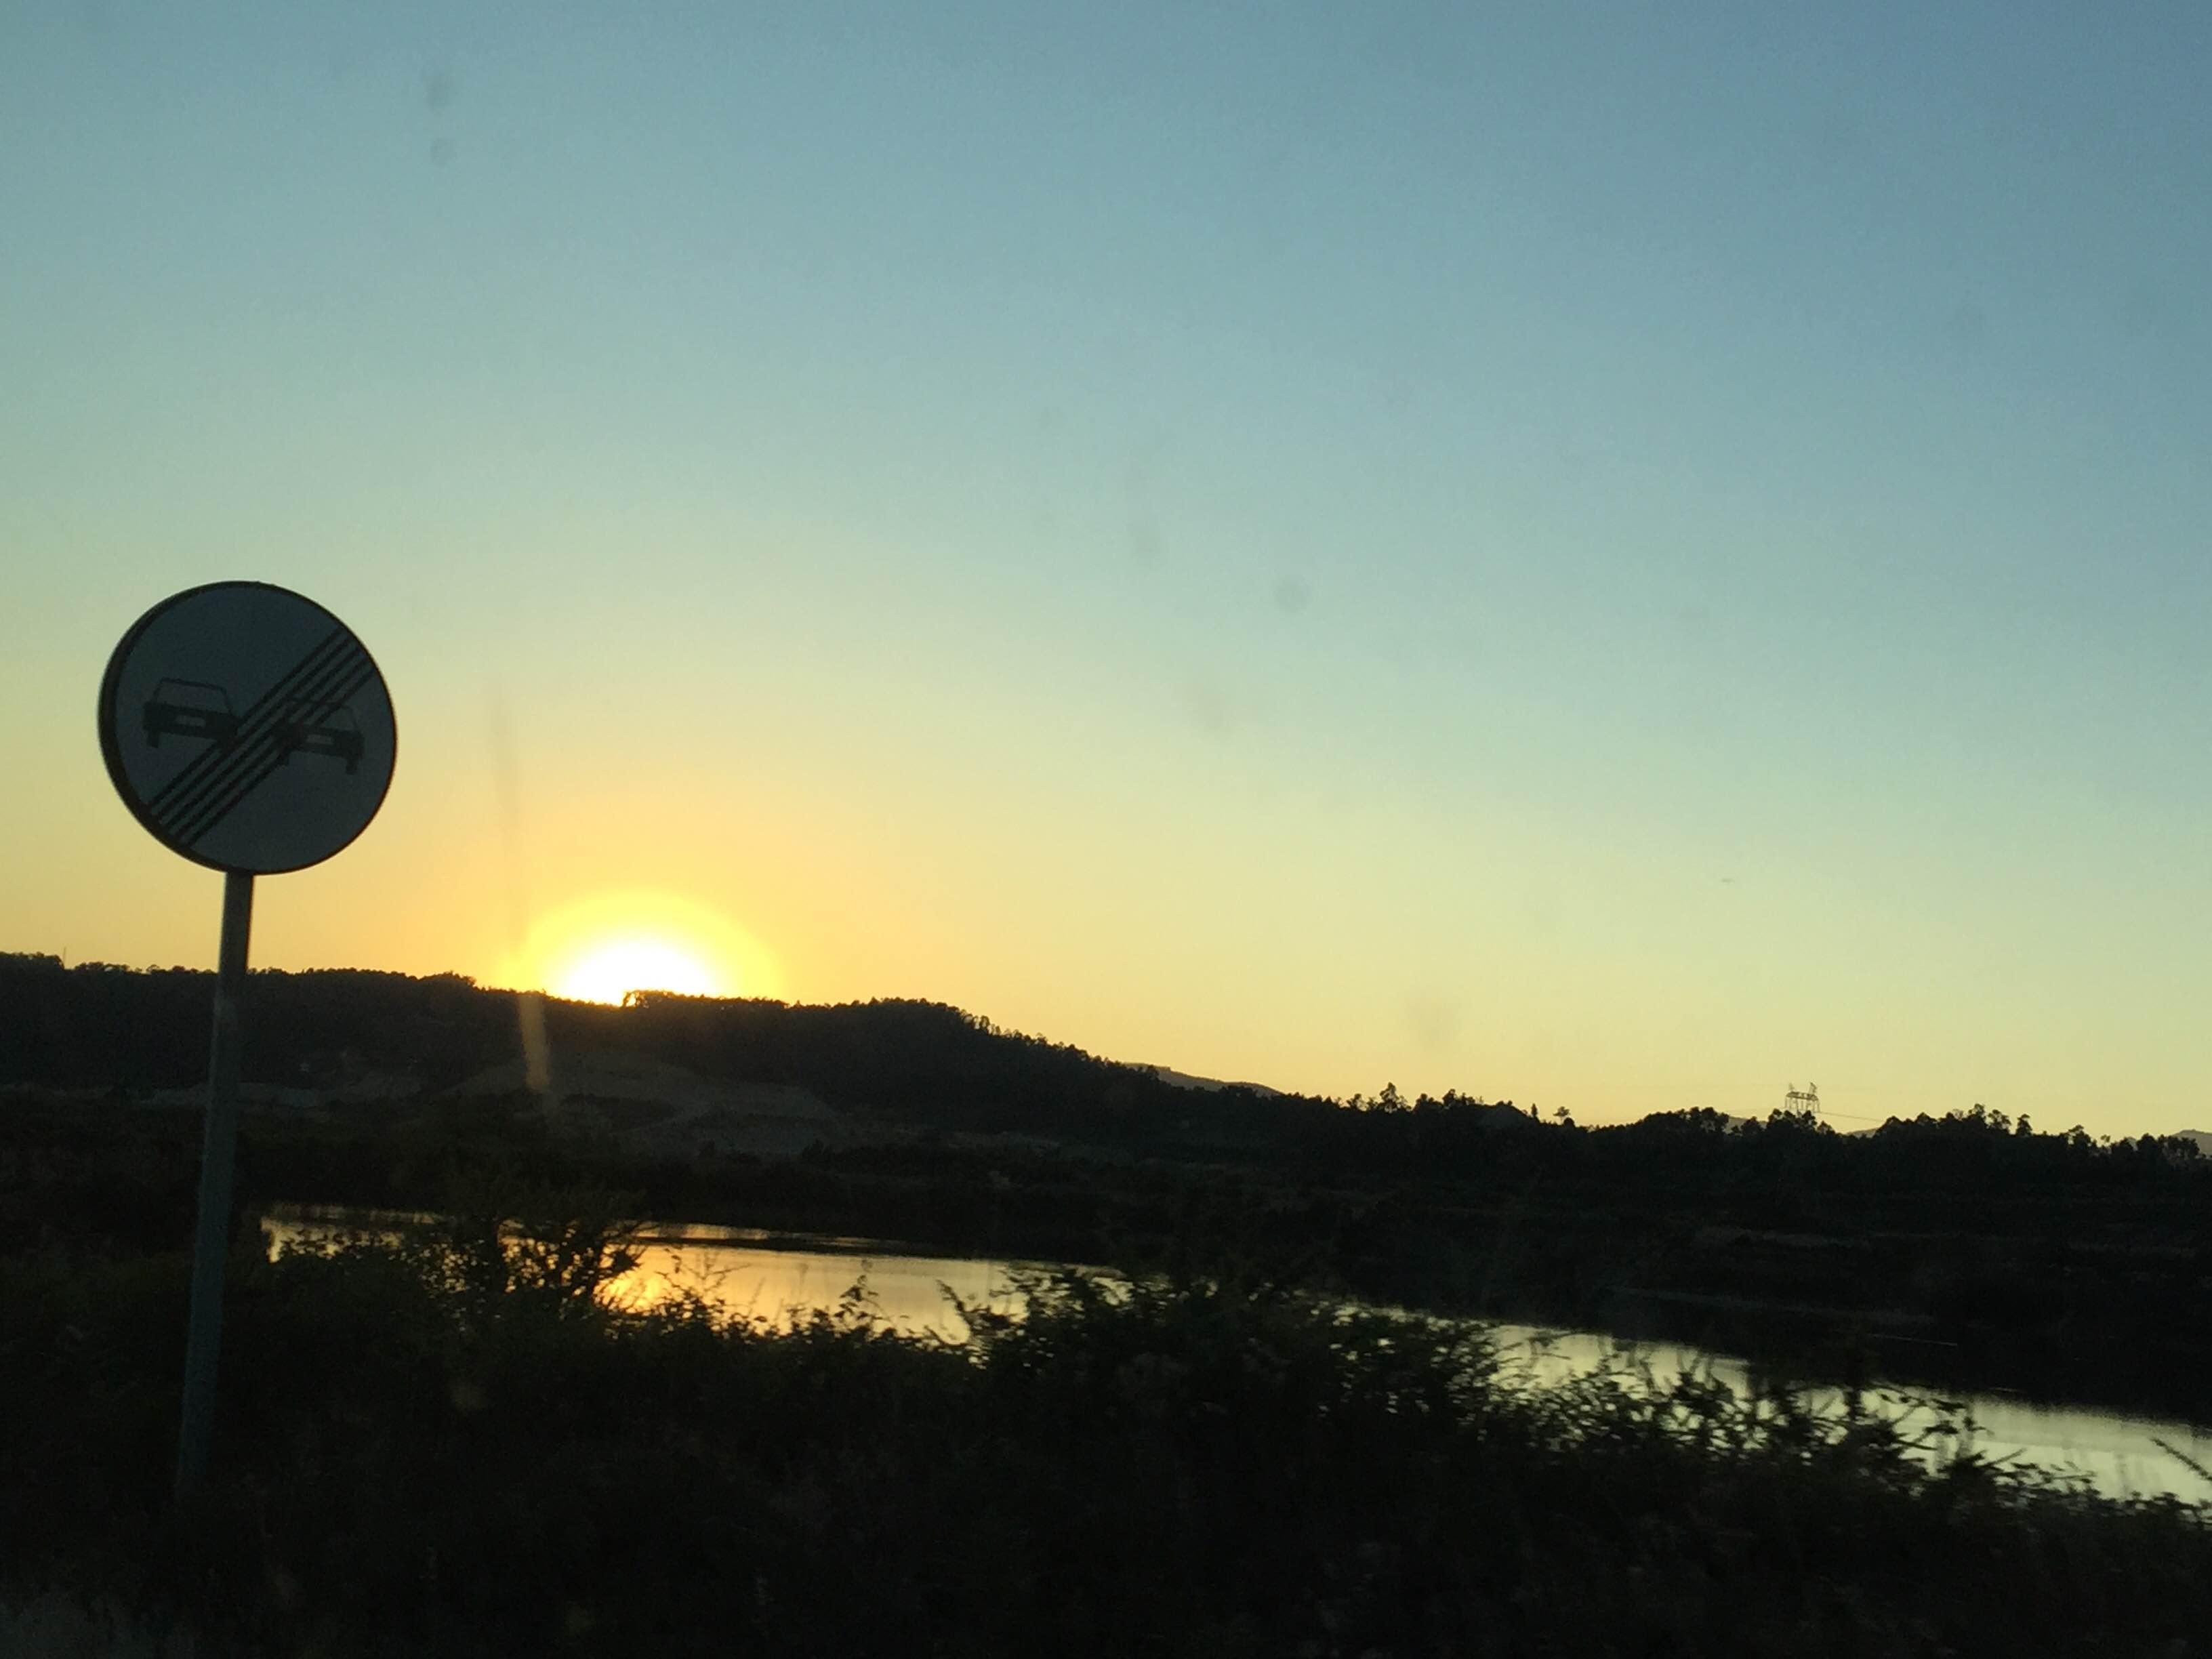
(538, 1471)
(99, 1027)
(1963, 1248)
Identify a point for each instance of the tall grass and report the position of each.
(454, 1444)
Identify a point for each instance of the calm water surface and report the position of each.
(775, 1281)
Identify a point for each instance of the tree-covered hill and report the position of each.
(2056, 1257)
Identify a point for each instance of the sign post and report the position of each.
(211, 1229)
(249, 730)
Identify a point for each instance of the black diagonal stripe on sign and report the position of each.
(205, 823)
(213, 756)
(242, 753)
(268, 756)
(186, 819)
(212, 771)
(245, 753)
(240, 757)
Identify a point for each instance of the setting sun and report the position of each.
(600, 949)
(608, 972)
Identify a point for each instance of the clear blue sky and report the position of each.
(1624, 555)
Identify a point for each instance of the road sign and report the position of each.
(246, 728)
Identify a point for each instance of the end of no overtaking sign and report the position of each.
(246, 728)
(249, 730)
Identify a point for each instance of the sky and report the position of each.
(1617, 555)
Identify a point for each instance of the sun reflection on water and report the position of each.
(737, 1277)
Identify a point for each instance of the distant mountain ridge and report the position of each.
(335, 1037)
(1206, 1084)
(323, 1037)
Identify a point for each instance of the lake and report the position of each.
(775, 1279)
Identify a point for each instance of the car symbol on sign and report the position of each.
(189, 709)
(311, 726)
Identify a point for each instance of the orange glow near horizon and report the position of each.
(600, 949)
(608, 971)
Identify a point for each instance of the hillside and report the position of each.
(344, 1036)
(1965, 1246)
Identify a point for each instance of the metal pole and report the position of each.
(211, 1238)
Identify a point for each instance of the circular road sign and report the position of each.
(246, 728)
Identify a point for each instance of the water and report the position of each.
(772, 1279)
(776, 1280)
(2119, 1452)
